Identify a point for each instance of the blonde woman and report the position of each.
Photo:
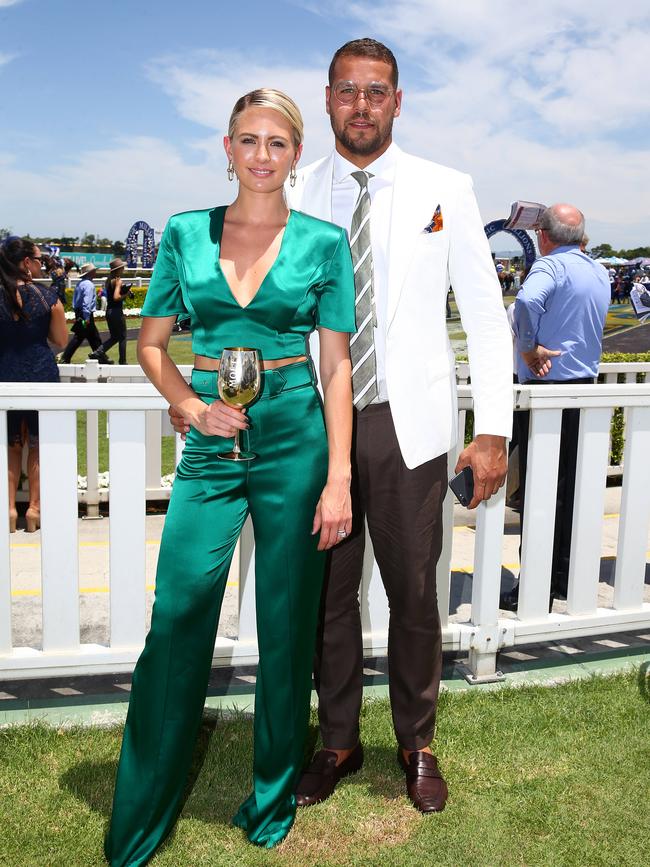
(251, 274)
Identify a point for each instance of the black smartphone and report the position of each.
(463, 486)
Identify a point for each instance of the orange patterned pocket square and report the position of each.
(436, 222)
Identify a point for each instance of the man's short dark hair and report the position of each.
(366, 48)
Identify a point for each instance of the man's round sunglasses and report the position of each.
(375, 94)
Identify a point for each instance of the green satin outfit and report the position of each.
(310, 284)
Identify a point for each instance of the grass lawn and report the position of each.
(537, 776)
(180, 345)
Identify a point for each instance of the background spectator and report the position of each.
(84, 303)
(30, 315)
(115, 291)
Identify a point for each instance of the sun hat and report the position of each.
(88, 268)
(116, 264)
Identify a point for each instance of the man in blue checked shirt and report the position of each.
(559, 320)
(84, 303)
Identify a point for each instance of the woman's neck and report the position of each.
(259, 208)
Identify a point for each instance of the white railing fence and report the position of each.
(157, 424)
(485, 631)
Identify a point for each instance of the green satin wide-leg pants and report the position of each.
(210, 501)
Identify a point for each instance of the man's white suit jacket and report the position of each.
(420, 364)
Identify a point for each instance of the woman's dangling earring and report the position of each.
(230, 171)
(293, 176)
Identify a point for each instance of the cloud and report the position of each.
(4, 56)
(549, 107)
(204, 88)
(9, 3)
(104, 191)
(545, 107)
(578, 71)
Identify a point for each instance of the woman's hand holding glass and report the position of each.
(214, 419)
(333, 517)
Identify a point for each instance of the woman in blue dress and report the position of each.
(30, 316)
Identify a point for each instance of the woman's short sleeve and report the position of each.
(336, 292)
(164, 296)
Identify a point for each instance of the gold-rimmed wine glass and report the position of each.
(239, 382)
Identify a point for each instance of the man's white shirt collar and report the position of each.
(382, 168)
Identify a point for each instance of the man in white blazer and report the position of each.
(414, 229)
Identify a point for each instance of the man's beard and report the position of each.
(365, 146)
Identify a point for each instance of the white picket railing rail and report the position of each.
(481, 636)
(157, 424)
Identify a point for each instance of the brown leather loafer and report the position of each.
(319, 780)
(425, 785)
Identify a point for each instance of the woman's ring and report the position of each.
(341, 533)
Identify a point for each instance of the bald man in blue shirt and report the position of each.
(559, 319)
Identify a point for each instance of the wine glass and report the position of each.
(239, 383)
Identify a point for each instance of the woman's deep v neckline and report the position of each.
(268, 273)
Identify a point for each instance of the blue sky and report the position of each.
(112, 116)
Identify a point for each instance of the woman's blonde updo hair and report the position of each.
(267, 97)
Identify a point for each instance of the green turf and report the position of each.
(180, 345)
(537, 776)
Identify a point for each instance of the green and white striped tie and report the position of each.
(362, 344)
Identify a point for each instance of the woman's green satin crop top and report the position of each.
(311, 283)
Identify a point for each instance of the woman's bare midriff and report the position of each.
(203, 362)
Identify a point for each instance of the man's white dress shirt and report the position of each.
(345, 192)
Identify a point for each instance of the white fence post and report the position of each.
(5, 549)
(485, 588)
(154, 449)
(629, 576)
(589, 501)
(443, 566)
(539, 513)
(127, 528)
(59, 541)
(91, 374)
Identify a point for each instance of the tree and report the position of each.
(118, 248)
(4, 233)
(635, 253)
(602, 251)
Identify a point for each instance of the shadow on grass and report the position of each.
(383, 776)
(644, 681)
(93, 782)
